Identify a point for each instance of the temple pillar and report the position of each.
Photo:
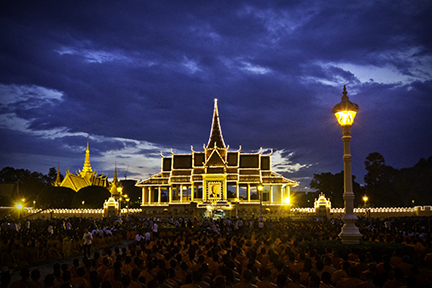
(144, 195)
(192, 191)
(170, 194)
(237, 191)
(151, 196)
(289, 193)
(181, 193)
(248, 192)
(271, 194)
(159, 194)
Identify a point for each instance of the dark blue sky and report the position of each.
(139, 77)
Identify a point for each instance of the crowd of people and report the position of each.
(207, 253)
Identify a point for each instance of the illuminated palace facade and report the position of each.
(215, 181)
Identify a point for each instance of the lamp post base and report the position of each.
(350, 233)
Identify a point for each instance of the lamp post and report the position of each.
(120, 191)
(260, 188)
(82, 211)
(365, 199)
(127, 206)
(345, 113)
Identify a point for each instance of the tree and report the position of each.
(380, 182)
(55, 197)
(415, 183)
(30, 183)
(332, 185)
(93, 197)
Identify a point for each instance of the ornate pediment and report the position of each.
(215, 159)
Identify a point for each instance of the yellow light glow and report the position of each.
(345, 117)
(120, 189)
(287, 200)
(365, 198)
(260, 187)
(19, 206)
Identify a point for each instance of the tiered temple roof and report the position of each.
(216, 164)
(85, 177)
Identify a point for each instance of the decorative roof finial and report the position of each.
(57, 181)
(344, 92)
(216, 131)
(115, 175)
(87, 167)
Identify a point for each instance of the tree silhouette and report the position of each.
(93, 197)
(332, 185)
(380, 182)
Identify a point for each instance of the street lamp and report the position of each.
(119, 190)
(365, 199)
(19, 207)
(260, 188)
(345, 113)
(127, 205)
(82, 213)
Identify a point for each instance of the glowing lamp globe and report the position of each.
(345, 111)
(287, 200)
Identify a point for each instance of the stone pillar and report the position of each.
(271, 194)
(237, 191)
(145, 195)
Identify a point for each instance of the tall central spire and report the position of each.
(216, 138)
(87, 167)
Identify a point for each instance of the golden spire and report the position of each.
(115, 181)
(58, 174)
(57, 181)
(216, 139)
(87, 167)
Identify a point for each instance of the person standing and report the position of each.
(87, 238)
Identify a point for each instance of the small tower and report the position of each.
(86, 168)
(57, 181)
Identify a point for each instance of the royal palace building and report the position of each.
(215, 182)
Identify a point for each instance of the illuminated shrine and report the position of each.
(214, 181)
(83, 178)
(322, 206)
(111, 207)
